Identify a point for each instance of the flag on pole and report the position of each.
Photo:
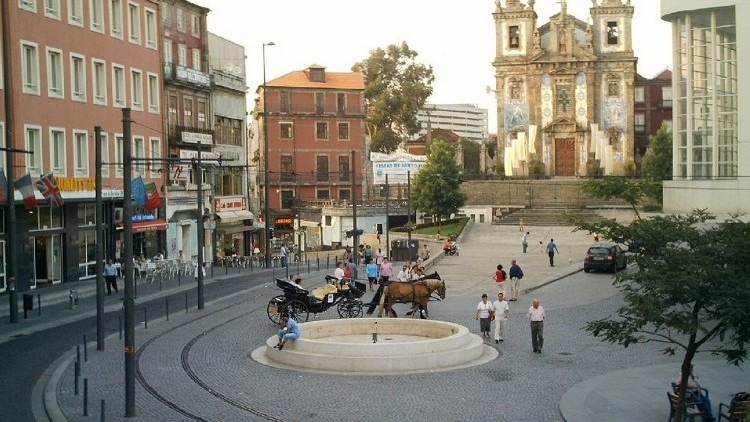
(26, 187)
(47, 185)
(154, 199)
(3, 187)
(139, 192)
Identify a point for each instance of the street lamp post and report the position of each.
(267, 193)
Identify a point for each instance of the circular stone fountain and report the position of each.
(378, 346)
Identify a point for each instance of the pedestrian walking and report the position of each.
(541, 247)
(284, 253)
(521, 226)
(386, 271)
(110, 276)
(525, 242)
(484, 313)
(551, 249)
(372, 273)
(535, 314)
(500, 277)
(516, 274)
(500, 311)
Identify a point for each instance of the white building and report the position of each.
(466, 120)
(711, 85)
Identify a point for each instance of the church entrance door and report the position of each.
(565, 157)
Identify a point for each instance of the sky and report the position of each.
(455, 37)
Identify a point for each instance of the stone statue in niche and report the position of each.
(561, 40)
(589, 37)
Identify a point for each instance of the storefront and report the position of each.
(234, 230)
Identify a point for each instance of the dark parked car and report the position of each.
(604, 256)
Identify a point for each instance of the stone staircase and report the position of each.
(544, 216)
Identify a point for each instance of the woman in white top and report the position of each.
(484, 312)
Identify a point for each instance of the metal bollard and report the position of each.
(101, 412)
(85, 350)
(119, 325)
(73, 299)
(186, 302)
(76, 375)
(167, 308)
(85, 397)
(39, 304)
(145, 318)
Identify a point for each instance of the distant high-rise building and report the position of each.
(711, 87)
(466, 120)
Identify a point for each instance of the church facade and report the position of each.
(565, 90)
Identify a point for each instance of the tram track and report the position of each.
(185, 364)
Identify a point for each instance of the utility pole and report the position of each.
(11, 269)
(201, 234)
(129, 302)
(99, 218)
(408, 212)
(355, 235)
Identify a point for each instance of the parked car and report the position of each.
(604, 257)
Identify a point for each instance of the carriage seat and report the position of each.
(321, 292)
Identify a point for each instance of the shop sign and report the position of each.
(284, 220)
(230, 203)
(206, 156)
(73, 185)
(197, 138)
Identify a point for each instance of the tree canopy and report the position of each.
(396, 88)
(385, 141)
(435, 189)
(657, 164)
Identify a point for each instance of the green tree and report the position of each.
(435, 189)
(688, 289)
(657, 164)
(471, 151)
(396, 88)
(385, 141)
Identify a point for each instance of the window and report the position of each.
(202, 120)
(55, 73)
(119, 153)
(317, 75)
(343, 131)
(613, 33)
(341, 103)
(640, 94)
(228, 131)
(320, 102)
(640, 122)
(30, 67)
(286, 130)
(136, 87)
(100, 82)
(345, 194)
(29, 5)
(34, 145)
(182, 54)
(668, 124)
(514, 37)
(344, 168)
(134, 20)
(166, 14)
(118, 85)
(321, 130)
(115, 18)
(97, 15)
(321, 162)
(75, 12)
(285, 101)
(168, 51)
(563, 99)
(57, 150)
(139, 152)
(156, 166)
(287, 169)
(322, 194)
(106, 160)
(666, 96)
(78, 77)
(151, 28)
(187, 111)
(180, 19)
(195, 25)
(196, 58)
(287, 199)
(153, 93)
(52, 9)
(81, 145)
(172, 115)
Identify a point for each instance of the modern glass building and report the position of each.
(711, 86)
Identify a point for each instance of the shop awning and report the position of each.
(236, 229)
(150, 226)
(232, 216)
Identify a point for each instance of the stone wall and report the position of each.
(563, 193)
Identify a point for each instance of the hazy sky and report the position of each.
(457, 38)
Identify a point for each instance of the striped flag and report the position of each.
(26, 187)
(47, 185)
(154, 199)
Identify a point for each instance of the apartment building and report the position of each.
(68, 67)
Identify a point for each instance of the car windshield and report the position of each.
(599, 251)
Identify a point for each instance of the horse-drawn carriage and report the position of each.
(417, 292)
(299, 302)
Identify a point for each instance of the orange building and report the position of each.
(315, 122)
(69, 66)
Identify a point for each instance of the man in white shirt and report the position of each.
(501, 311)
(535, 314)
(283, 253)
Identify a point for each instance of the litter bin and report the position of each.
(28, 302)
(73, 298)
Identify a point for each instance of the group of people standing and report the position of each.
(495, 315)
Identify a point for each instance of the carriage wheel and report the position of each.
(350, 308)
(275, 308)
(298, 310)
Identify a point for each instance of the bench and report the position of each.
(736, 411)
(689, 409)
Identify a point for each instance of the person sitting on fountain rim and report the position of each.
(290, 330)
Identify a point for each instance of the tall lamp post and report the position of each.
(267, 193)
